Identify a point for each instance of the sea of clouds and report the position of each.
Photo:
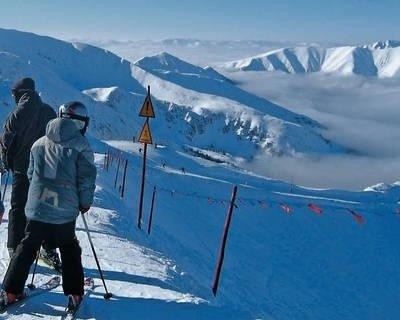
(362, 114)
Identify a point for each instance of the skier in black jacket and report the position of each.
(23, 126)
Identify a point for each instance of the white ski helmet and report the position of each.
(77, 112)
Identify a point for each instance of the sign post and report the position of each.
(147, 111)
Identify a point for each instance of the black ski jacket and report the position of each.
(23, 126)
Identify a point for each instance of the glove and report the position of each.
(83, 209)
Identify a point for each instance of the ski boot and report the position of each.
(51, 258)
(74, 302)
(7, 299)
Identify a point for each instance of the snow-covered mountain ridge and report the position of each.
(380, 59)
(194, 105)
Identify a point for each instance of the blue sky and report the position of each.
(299, 20)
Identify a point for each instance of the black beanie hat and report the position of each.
(24, 84)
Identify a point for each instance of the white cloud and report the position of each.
(348, 172)
(362, 114)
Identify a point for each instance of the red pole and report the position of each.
(123, 179)
(223, 243)
(151, 210)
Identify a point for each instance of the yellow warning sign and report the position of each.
(145, 135)
(147, 108)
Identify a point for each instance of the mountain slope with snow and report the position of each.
(217, 100)
(381, 59)
(282, 260)
(189, 100)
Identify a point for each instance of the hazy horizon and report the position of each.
(348, 21)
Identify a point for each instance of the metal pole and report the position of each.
(107, 295)
(5, 186)
(142, 187)
(123, 179)
(31, 286)
(108, 159)
(116, 174)
(223, 243)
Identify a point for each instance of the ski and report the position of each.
(72, 314)
(53, 283)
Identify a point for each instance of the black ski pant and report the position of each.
(16, 215)
(58, 235)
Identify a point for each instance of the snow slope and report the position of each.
(381, 59)
(278, 265)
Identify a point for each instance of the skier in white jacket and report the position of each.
(62, 178)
